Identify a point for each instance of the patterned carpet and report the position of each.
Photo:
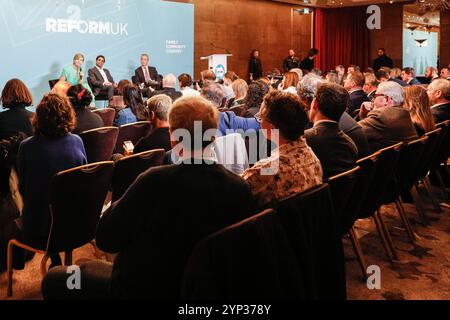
(422, 272)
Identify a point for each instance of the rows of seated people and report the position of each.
(315, 129)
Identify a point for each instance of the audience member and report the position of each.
(168, 87)
(80, 100)
(52, 149)
(370, 85)
(385, 122)
(431, 74)
(240, 89)
(336, 151)
(135, 109)
(166, 223)
(445, 73)
(185, 83)
(254, 98)
(340, 70)
(418, 105)
(384, 74)
(15, 98)
(354, 85)
(292, 168)
(159, 138)
(228, 78)
(439, 95)
(290, 82)
(409, 77)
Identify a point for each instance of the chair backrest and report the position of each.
(100, 143)
(251, 259)
(76, 201)
(230, 102)
(312, 229)
(408, 163)
(433, 142)
(107, 115)
(384, 178)
(443, 151)
(129, 168)
(238, 110)
(52, 83)
(341, 187)
(132, 132)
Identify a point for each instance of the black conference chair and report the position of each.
(52, 83)
(383, 178)
(425, 162)
(252, 259)
(312, 229)
(129, 168)
(132, 132)
(441, 157)
(76, 201)
(108, 115)
(100, 143)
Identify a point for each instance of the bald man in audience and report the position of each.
(169, 83)
(439, 95)
(385, 122)
(168, 209)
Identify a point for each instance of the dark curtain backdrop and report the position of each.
(342, 37)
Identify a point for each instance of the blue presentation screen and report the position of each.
(40, 37)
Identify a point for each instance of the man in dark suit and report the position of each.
(385, 122)
(336, 151)
(370, 85)
(439, 95)
(409, 77)
(354, 85)
(145, 76)
(156, 224)
(384, 74)
(169, 82)
(382, 61)
(100, 79)
(291, 61)
(351, 128)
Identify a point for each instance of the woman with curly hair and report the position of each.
(255, 96)
(52, 149)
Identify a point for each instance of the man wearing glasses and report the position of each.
(100, 79)
(384, 120)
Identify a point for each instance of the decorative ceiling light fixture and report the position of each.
(412, 28)
(433, 5)
(421, 42)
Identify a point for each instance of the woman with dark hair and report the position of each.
(255, 68)
(15, 97)
(135, 109)
(80, 98)
(52, 149)
(255, 96)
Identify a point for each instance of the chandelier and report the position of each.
(433, 5)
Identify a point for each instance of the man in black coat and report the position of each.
(336, 151)
(382, 61)
(100, 79)
(308, 62)
(155, 226)
(354, 85)
(291, 61)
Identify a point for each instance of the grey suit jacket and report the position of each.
(387, 126)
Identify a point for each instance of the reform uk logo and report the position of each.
(74, 23)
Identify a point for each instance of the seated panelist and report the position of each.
(100, 79)
(145, 76)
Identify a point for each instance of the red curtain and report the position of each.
(342, 37)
